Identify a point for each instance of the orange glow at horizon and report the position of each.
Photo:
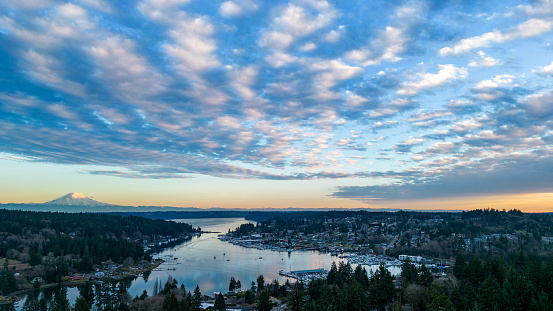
(526, 202)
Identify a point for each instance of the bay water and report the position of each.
(209, 263)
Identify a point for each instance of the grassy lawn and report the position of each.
(19, 266)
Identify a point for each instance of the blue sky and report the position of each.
(302, 103)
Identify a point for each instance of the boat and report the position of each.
(260, 257)
(214, 257)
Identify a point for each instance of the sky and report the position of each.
(277, 104)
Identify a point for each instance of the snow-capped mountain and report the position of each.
(75, 199)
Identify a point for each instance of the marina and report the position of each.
(305, 276)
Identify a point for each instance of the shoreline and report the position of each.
(12, 298)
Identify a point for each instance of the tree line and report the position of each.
(57, 244)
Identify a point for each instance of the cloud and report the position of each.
(530, 28)
(280, 59)
(295, 21)
(424, 116)
(281, 91)
(393, 107)
(392, 41)
(541, 7)
(495, 88)
(426, 81)
(126, 72)
(485, 61)
(309, 46)
(547, 70)
(495, 175)
(334, 35)
(232, 9)
(406, 145)
(540, 105)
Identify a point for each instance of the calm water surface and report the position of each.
(210, 263)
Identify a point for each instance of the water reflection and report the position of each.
(210, 263)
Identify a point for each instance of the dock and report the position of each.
(305, 275)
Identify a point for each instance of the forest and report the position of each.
(53, 245)
(519, 283)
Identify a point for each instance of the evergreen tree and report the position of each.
(425, 277)
(295, 299)
(409, 273)
(319, 292)
(360, 275)
(31, 302)
(249, 297)
(60, 300)
(197, 299)
(381, 288)
(220, 304)
(475, 272)
(345, 273)
(7, 280)
(186, 302)
(264, 302)
(232, 284)
(87, 292)
(491, 295)
(353, 298)
(516, 291)
(438, 299)
(260, 283)
(154, 293)
(7, 307)
(332, 277)
(542, 303)
(81, 305)
(170, 303)
(463, 297)
(460, 267)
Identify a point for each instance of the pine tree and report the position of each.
(155, 292)
(381, 288)
(87, 292)
(232, 284)
(197, 299)
(491, 294)
(170, 303)
(81, 305)
(60, 300)
(360, 275)
(260, 283)
(249, 297)
(7, 307)
(425, 276)
(332, 277)
(264, 302)
(220, 304)
(438, 299)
